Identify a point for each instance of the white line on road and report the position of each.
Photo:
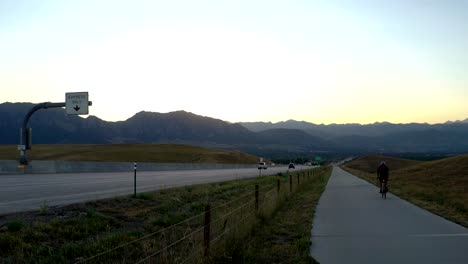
(440, 235)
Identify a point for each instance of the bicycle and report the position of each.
(383, 189)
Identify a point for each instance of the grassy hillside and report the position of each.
(131, 152)
(371, 162)
(439, 186)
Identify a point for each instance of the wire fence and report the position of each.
(208, 234)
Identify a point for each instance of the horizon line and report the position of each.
(270, 122)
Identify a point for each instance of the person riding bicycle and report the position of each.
(382, 176)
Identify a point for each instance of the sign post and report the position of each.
(75, 104)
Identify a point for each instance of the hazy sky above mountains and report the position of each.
(318, 61)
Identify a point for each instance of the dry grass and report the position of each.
(129, 152)
(439, 186)
(285, 238)
(371, 162)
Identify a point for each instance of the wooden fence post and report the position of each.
(256, 197)
(206, 229)
(278, 184)
(290, 183)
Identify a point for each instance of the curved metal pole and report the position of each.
(23, 137)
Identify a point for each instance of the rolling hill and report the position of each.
(371, 162)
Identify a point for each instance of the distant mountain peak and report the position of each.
(457, 121)
(295, 122)
(383, 123)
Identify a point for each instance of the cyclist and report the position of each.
(382, 176)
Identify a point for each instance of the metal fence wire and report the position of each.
(209, 233)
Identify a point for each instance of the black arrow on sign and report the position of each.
(76, 108)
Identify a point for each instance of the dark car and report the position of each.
(291, 166)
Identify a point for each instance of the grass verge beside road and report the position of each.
(139, 227)
(285, 238)
(440, 186)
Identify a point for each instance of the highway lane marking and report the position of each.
(33, 185)
(106, 180)
(441, 235)
(103, 194)
(32, 203)
(51, 182)
(147, 188)
(110, 192)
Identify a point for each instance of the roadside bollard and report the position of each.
(134, 178)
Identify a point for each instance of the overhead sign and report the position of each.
(76, 103)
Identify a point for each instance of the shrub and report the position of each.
(15, 226)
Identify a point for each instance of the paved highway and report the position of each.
(352, 224)
(27, 192)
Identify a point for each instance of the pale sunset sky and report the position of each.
(324, 61)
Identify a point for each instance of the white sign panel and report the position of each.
(76, 103)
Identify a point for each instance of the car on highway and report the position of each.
(291, 166)
(262, 166)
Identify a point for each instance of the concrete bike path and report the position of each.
(352, 224)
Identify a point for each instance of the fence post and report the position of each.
(298, 179)
(256, 197)
(206, 229)
(278, 184)
(290, 183)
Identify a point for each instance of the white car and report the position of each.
(262, 165)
